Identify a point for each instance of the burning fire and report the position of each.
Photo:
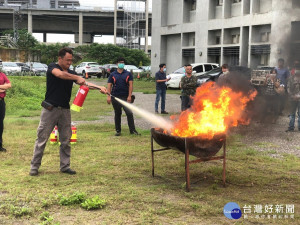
(214, 110)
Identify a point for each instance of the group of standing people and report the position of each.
(188, 85)
(60, 79)
(282, 87)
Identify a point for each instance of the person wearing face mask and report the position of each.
(120, 85)
(161, 79)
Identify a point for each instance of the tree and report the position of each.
(25, 40)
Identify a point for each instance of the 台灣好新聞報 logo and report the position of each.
(232, 211)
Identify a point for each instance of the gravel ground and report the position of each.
(260, 136)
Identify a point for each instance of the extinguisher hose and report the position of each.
(98, 89)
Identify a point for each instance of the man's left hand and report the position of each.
(129, 99)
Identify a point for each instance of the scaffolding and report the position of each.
(131, 24)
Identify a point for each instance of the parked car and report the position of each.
(24, 67)
(132, 68)
(198, 69)
(37, 68)
(145, 68)
(214, 74)
(109, 68)
(91, 68)
(10, 67)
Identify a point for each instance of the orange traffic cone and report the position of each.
(138, 76)
(86, 76)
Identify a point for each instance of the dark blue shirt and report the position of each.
(282, 75)
(58, 91)
(160, 76)
(120, 82)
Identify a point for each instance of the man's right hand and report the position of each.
(108, 99)
(80, 81)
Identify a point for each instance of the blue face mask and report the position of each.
(121, 65)
(165, 69)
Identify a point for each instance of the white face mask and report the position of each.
(165, 69)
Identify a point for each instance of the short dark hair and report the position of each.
(273, 70)
(162, 65)
(120, 59)
(281, 60)
(188, 65)
(225, 66)
(62, 52)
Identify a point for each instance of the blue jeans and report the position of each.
(160, 93)
(295, 106)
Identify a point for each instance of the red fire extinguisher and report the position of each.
(79, 98)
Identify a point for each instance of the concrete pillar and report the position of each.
(29, 22)
(115, 22)
(30, 3)
(222, 48)
(80, 28)
(5, 3)
(44, 37)
(147, 25)
(56, 4)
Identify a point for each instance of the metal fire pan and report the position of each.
(198, 146)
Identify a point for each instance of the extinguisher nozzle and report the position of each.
(75, 108)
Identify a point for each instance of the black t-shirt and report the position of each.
(160, 76)
(58, 90)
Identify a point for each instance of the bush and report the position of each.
(74, 199)
(93, 203)
(20, 211)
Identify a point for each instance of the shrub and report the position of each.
(73, 199)
(93, 203)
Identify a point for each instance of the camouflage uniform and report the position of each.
(293, 88)
(188, 86)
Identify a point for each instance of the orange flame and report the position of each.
(214, 110)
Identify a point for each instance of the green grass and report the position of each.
(118, 170)
(148, 87)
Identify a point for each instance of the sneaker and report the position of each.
(289, 130)
(164, 112)
(118, 133)
(33, 172)
(156, 112)
(2, 149)
(69, 171)
(134, 132)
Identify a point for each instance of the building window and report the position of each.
(265, 37)
(265, 59)
(194, 5)
(236, 1)
(235, 39)
(218, 40)
(220, 2)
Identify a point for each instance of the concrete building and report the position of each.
(250, 33)
(41, 3)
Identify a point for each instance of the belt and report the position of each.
(59, 107)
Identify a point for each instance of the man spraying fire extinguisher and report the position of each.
(56, 111)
